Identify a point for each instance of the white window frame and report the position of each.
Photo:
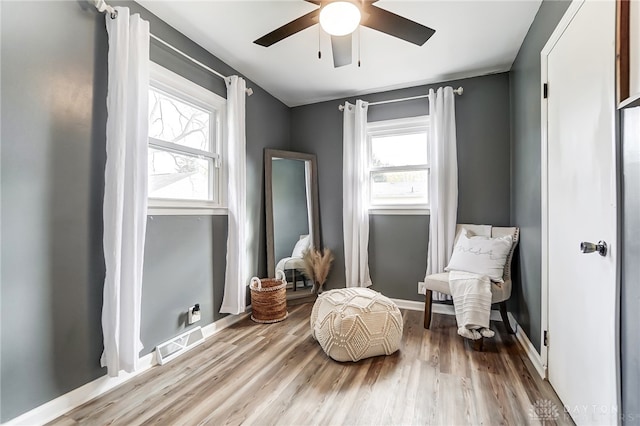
(400, 126)
(177, 86)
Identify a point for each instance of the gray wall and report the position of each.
(398, 254)
(400, 242)
(54, 83)
(525, 168)
(52, 169)
(290, 214)
(630, 288)
(184, 264)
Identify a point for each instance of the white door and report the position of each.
(582, 288)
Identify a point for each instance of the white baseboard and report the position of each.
(75, 398)
(529, 349)
(438, 308)
(410, 305)
(217, 326)
(70, 400)
(523, 339)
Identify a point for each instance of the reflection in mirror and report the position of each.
(291, 191)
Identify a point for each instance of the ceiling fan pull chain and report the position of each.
(359, 36)
(319, 52)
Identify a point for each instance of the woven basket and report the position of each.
(269, 299)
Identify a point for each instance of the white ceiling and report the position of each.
(472, 38)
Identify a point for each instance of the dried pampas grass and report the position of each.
(308, 257)
(317, 265)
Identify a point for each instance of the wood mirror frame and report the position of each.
(269, 156)
(626, 68)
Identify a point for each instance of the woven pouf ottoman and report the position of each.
(356, 323)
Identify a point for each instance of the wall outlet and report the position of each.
(421, 288)
(194, 313)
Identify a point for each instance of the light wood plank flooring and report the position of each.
(277, 374)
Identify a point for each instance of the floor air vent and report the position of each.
(176, 346)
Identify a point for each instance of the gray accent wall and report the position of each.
(184, 264)
(525, 168)
(53, 104)
(52, 174)
(398, 254)
(400, 242)
(630, 279)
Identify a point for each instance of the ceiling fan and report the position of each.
(340, 18)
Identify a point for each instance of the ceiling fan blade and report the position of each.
(395, 25)
(341, 48)
(314, 1)
(297, 25)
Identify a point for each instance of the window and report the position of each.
(399, 165)
(185, 145)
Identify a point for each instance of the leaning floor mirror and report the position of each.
(291, 195)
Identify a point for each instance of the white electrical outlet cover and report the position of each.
(193, 316)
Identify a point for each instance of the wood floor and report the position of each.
(277, 374)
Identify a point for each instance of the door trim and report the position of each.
(571, 12)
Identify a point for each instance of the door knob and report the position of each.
(587, 247)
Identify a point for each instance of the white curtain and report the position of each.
(443, 184)
(307, 187)
(236, 274)
(125, 189)
(355, 195)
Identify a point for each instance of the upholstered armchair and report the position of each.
(500, 292)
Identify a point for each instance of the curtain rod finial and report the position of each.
(103, 7)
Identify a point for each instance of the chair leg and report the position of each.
(505, 317)
(295, 284)
(478, 345)
(427, 309)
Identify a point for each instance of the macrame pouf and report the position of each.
(356, 323)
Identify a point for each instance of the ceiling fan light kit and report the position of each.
(340, 18)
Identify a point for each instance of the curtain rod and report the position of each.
(457, 91)
(103, 7)
(249, 90)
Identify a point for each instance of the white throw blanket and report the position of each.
(290, 263)
(472, 301)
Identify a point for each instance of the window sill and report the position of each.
(399, 212)
(186, 211)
